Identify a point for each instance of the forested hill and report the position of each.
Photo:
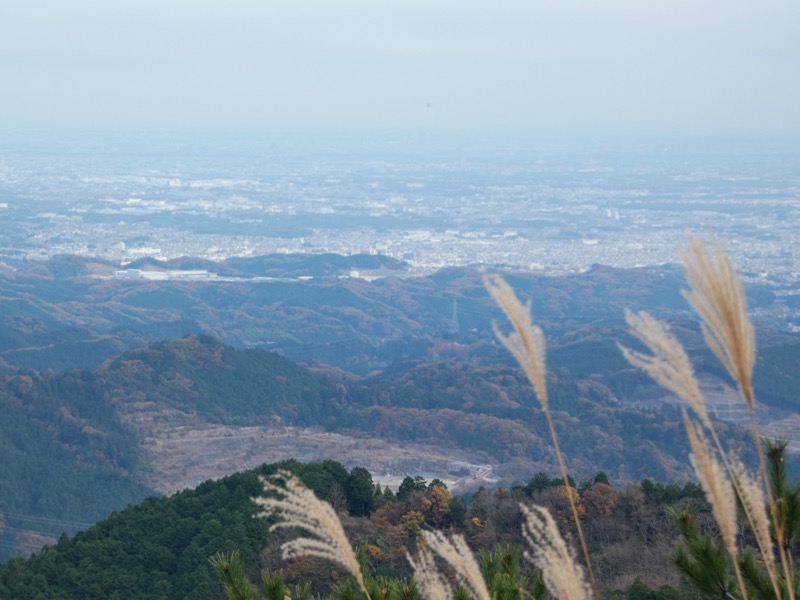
(68, 452)
(157, 549)
(200, 375)
(486, 408)
(65, 458)
(160, 549)
(72, 442)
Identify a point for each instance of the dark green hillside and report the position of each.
(64, 457)
(160, 548)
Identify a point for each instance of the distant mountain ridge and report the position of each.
(70, 312)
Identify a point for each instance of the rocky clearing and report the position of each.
(183, 450)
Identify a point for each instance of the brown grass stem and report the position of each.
(670, 366)
(526, 344)
(718, 490)
(718, 296)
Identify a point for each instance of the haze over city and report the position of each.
(432, 201)
(545, 137)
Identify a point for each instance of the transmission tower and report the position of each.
(454, 328)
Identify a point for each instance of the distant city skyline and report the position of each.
(573, 67)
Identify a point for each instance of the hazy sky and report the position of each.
(575, 66)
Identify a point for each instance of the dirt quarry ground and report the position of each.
(183, 450)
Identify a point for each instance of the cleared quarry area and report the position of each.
(183, 450)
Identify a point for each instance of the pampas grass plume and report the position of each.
(295, 505)
(526, 341)
(716, 485)
(754, 503)
(526, 344)
(454, 550)
(548, 551)
(718, 490)
(430, 583)
(669, 365)
(717, 295)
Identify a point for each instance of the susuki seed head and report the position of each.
(668, 365)
(430, 582)
(715, 483)
(454, 550)
(549, 552)
(296, 506)
(526, 341)
(717, 295)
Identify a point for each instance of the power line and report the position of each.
(43, 520)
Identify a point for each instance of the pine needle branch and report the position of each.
(234, 581)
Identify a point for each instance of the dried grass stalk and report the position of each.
(717, 295)
(455, 551)
(526, 344)
(715, 483)
(297, 506)
(754, 504)
(718, 490)
(669, 365)
(548, 551)
(430, 583)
